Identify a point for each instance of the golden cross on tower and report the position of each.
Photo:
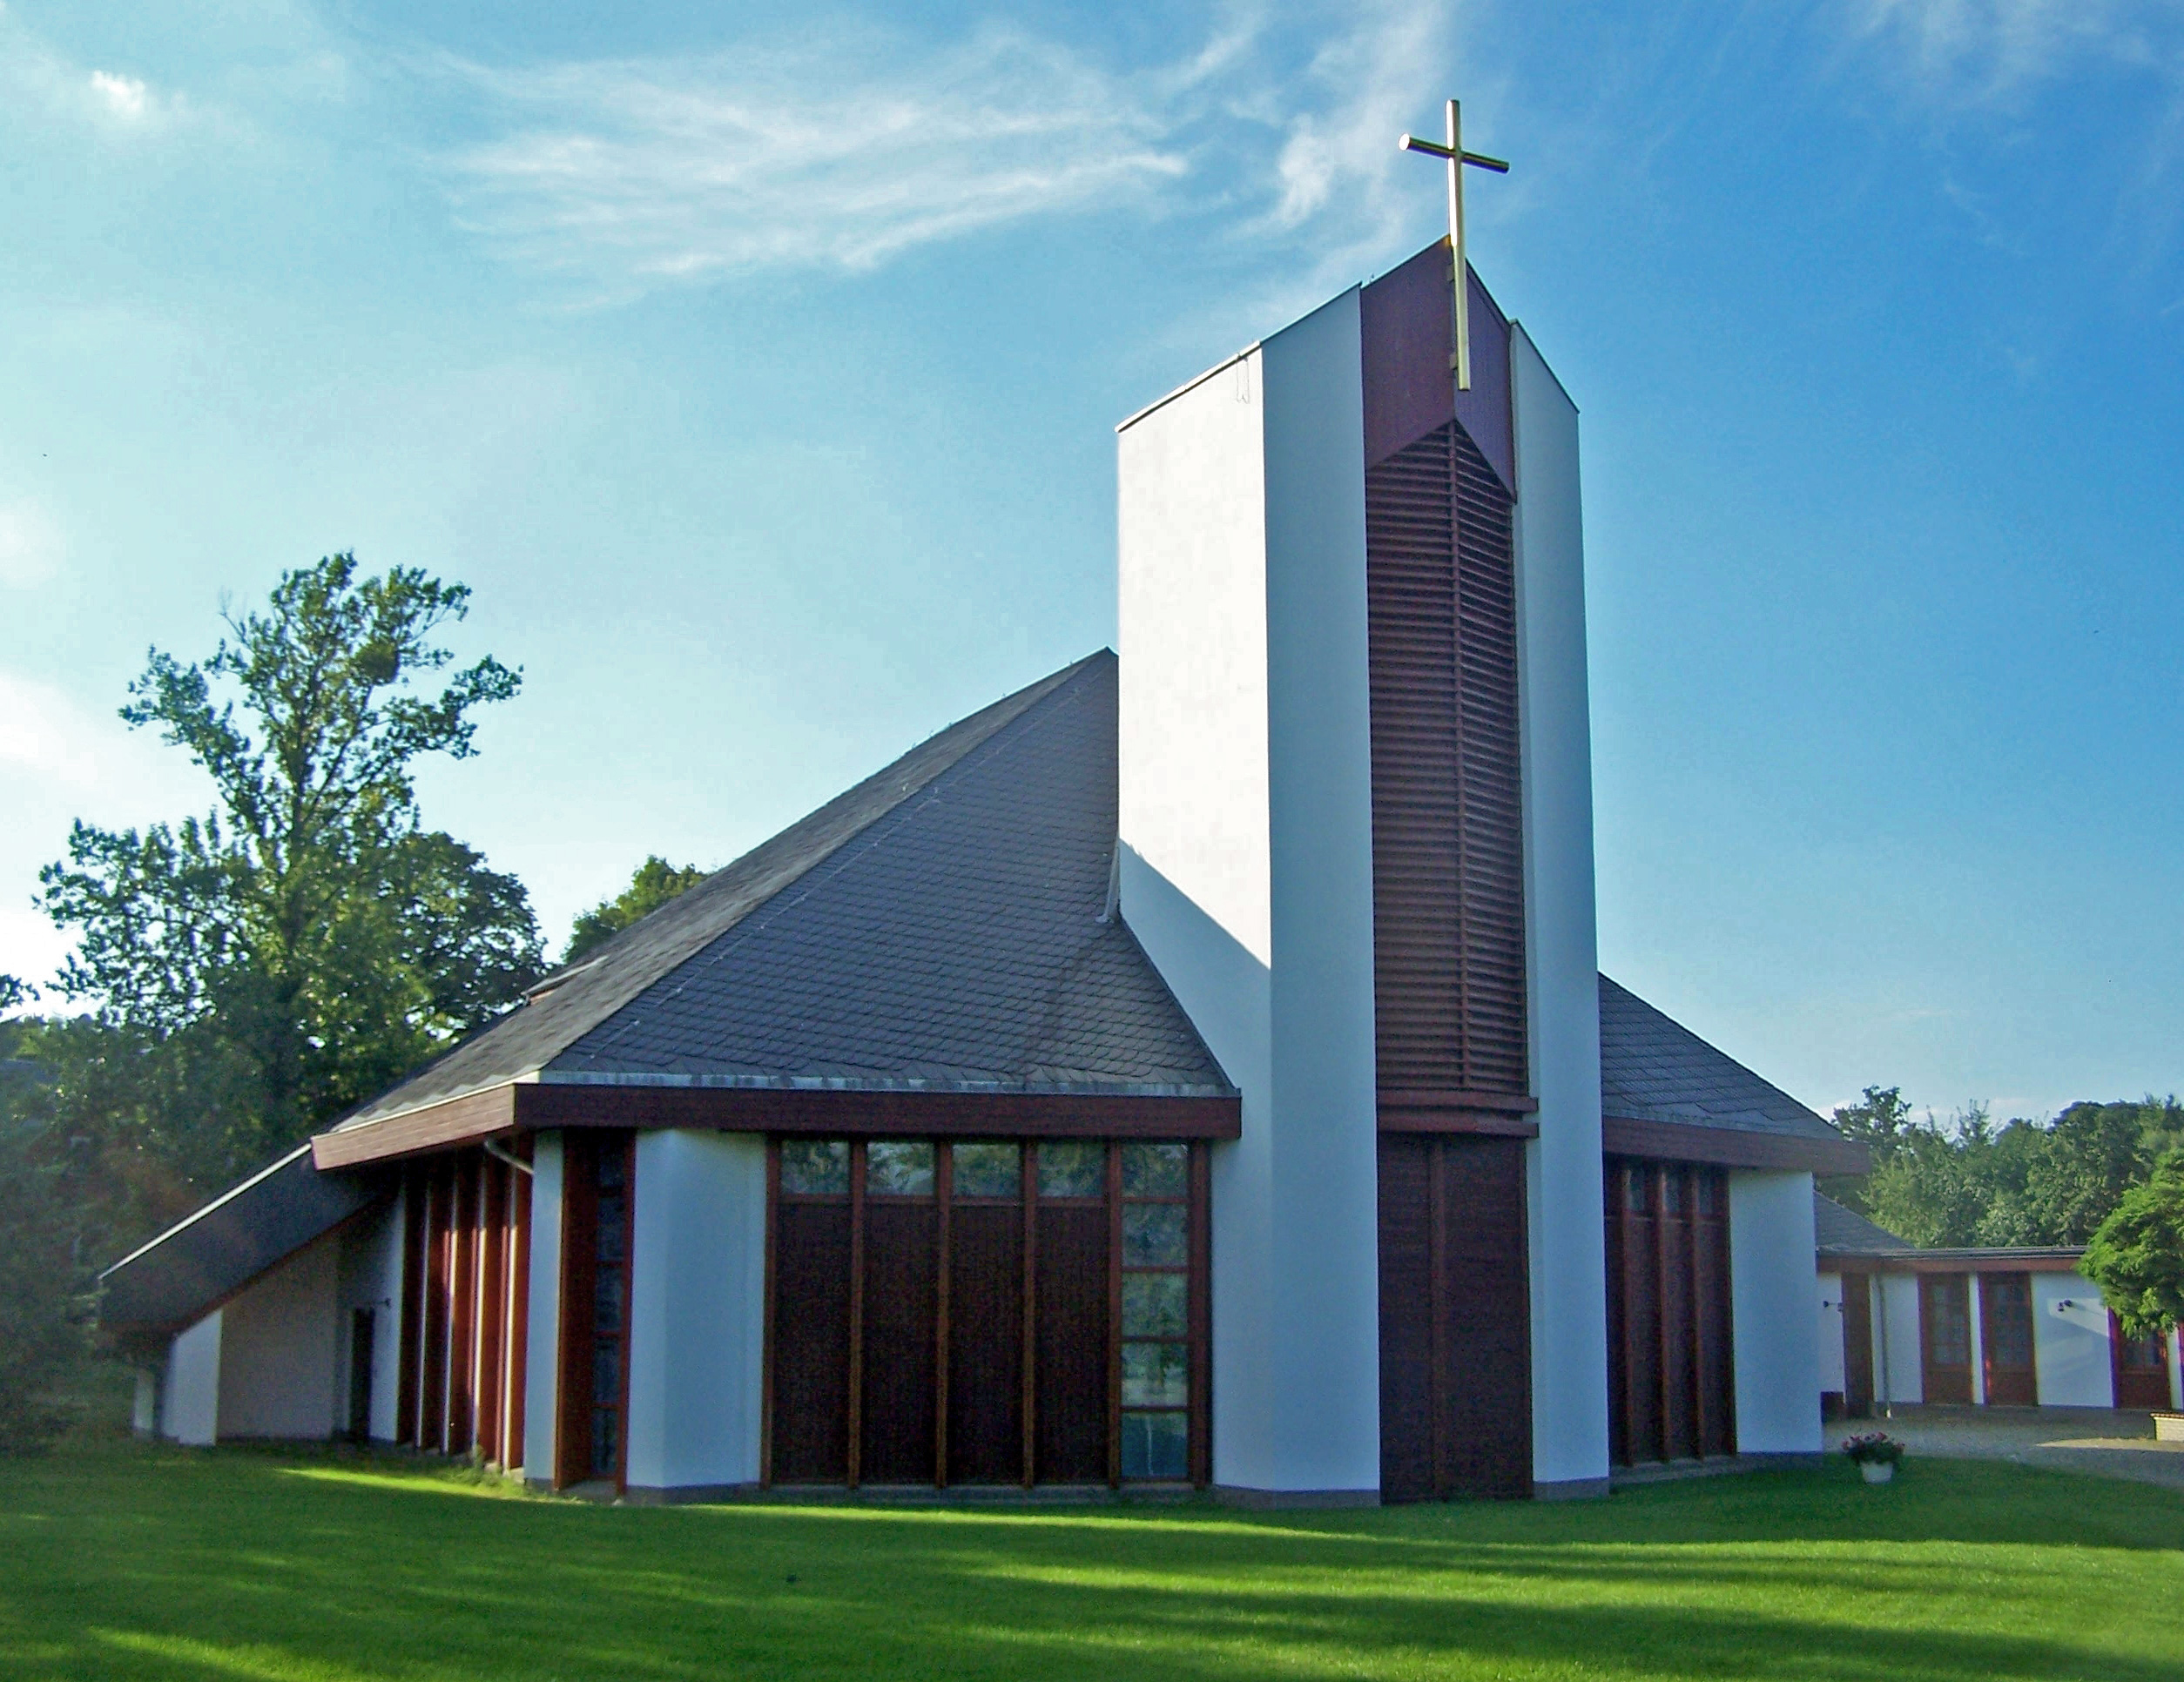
(1457, 157)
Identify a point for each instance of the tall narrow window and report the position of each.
(1155, 1263)
(610, 1280)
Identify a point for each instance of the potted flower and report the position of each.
(1875, 1453)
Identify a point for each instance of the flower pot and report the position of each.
(1877, 1471)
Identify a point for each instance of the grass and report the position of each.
(165, 1563)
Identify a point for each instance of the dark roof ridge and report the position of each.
(570, 1003)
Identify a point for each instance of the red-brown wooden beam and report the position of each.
(519, 1349)
(891, 1114)
(1729, 1147)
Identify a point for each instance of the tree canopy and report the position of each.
(2137, 1256)
(256, 971)
(654, 883)
(1967, 1181)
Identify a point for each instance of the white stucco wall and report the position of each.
(371, 1280)
(542, 1382)
(278, 1350)
(1900, 1373)
(143, 1406)
(1246, 867)
(1978, 1342)
(1562, 1166)
(1774, 1313)
(190, 1412)
(2072, 1358)
(1831, 1330)
(698, 1309)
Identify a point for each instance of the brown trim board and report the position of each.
(745, 1109)
(1729, 1147)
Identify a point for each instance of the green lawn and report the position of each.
(238, 1564)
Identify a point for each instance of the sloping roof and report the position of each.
(962, 942)
(1840, 1231)
(203, 1259)
(937, 927)
(1653, 1068)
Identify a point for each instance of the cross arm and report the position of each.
(1412, 143)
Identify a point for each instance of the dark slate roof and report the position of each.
(937, 927)
(1838, 1231)
(963, 942)
(1653, 1068)
(196, 1265)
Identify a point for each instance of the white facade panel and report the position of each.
(371, 1282)
(1899, 1369)
(2072, 1358)
(1774, 1313)
(1562, 1166)
(191, 1411)
(1978, 1343)
(1833, 1330)
(1246, 868)
(278, 1350)
(1323, 1167)
(698, 1309)
(542, 1384)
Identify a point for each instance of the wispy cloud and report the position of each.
(794, 157)
(848, 151)
(1992, 49)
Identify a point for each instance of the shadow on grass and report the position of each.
(238, 1565)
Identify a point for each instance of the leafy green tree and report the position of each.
(2137, 1256)
(654, 883)
(257, 970)
(43, 1275)
(1878, 1122)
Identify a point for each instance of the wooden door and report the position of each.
(1455, 1318)
(2141, 1370)
(1945, 1336)
(1672, 1377)
(2006, 1339)
(1858, 1345)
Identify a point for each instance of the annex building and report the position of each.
(1193, 1069)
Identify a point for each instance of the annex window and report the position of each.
(1156, 1312)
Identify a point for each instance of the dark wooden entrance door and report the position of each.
(1455, 1318)
(1671, 1384)
(362, 1322)
(2141, 1370)
(1945, 1336)
(1858, 1345)
(2006, 1339)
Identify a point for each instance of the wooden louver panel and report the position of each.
(1447, 841)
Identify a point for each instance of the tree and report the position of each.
(1877, 1120)
(43, 1276)
(654, 883)
(2137, 1256)
(261, 969)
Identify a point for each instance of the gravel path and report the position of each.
(2066, 1439)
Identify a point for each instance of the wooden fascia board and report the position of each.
(437, 1126)
(1945, 1262)
(1729, 1148)
(745, 1109)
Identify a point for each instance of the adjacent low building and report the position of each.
(1993, 1327)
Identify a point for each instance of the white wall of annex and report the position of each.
(1900, 1373)
(1562, 1166)
(371, 1281)
(2072, 1359)
(541, 1386)
(1323, 1372)
(278, 1343)
(698, 1309)
(1774, 1313)
(1832, 1325)
(191, 1413)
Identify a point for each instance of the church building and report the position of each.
(1192, 1070)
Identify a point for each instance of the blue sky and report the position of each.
(758, 368)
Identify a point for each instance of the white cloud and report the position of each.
(845, 153)
(32, 546)
(798, 157)
(1990, 51)
(123, 96)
